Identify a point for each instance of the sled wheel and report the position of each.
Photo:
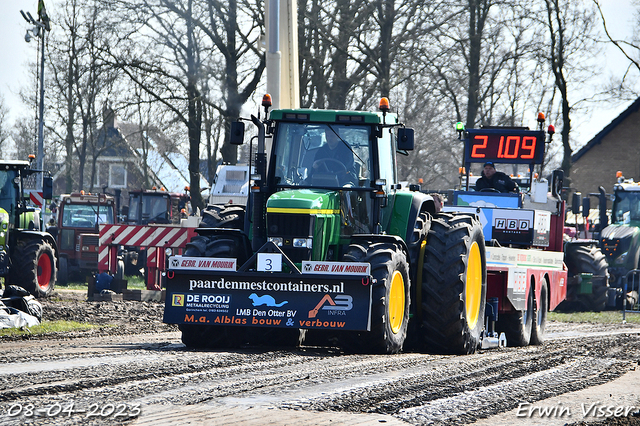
(538, 332)
(517, 325)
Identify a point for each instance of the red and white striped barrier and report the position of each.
(36, 198)
(154, 238)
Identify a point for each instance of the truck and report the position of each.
(79, 216)
(28, 255)
(523, 230)
(325, 248)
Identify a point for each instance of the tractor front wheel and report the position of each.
(390, 298)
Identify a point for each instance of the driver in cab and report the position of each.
(494, 180)
(334, 157)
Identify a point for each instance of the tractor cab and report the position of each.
(155, 206)
(328, 175)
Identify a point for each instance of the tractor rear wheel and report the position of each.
(589, 260)
(517, 326)
(390, 298)
(538, 332)
(454, 285)
(223, 216)
(34, 267)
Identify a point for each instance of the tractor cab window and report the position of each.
(154, 209)
(626, 206)
(7, 191)
(323, 155)
(387, 158)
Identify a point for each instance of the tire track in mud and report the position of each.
(417, 388)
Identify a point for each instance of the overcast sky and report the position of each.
(15, 54)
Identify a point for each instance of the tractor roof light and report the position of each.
(266, 101)
(384, 105)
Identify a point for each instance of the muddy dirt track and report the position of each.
(138, 372)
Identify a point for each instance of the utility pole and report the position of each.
(38, 30)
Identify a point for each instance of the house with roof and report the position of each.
(615, 147)
(130, 157)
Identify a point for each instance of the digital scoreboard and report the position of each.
(515, 146)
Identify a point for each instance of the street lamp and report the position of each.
(38, 30)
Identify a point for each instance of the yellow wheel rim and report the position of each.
(396, 302)
(473, 286)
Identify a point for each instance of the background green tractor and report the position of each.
(620, 240)
(343, 203)
(27, 254)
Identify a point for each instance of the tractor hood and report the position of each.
(618, 231)
(617, 241)
(305, 222)
(304, 201)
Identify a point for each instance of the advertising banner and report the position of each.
(271, 300)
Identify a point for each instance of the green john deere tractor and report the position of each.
(27, 254)
(330, 245)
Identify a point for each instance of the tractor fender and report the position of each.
(406, 209)
(421, 203)
(382, 238)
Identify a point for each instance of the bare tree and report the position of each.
(4, 130)
(187, 47)
(569, 28)
(82, 83)
(630, 49)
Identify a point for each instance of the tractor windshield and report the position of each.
(626, 206)
(323, 155)
(152, 208)
(7, 191)
(85, 216)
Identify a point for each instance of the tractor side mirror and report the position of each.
(47, 187)
(575, 203)
(557, 182)
(237, 133)
(405, 139)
